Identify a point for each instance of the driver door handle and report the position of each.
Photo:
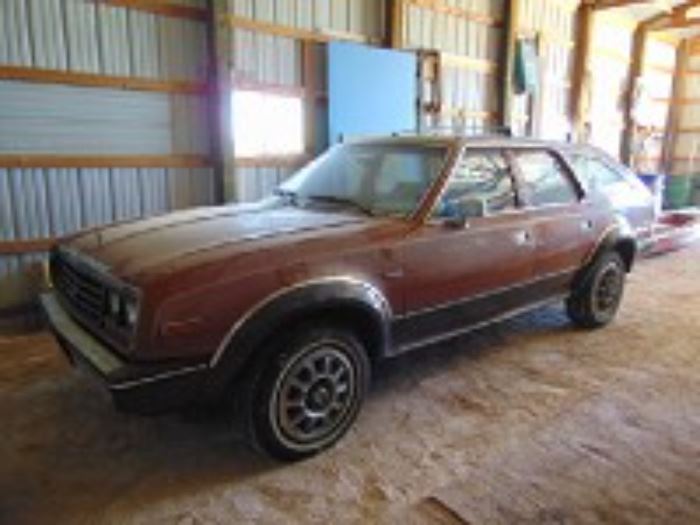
(522, 238)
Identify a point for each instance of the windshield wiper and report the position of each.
(334, 199)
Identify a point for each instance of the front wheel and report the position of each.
(309, 392)
(596, 302)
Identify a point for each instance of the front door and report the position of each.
(459, 273)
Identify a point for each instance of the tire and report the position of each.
(596, 302)
(308, 392)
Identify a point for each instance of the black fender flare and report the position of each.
(294, 303)
(619, 236)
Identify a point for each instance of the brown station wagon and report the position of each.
(376, 248)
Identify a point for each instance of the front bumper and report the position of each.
(135, 387)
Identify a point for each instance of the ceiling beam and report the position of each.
(609, 4)
(676, 18)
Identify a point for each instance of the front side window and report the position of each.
(380, 179)
(546, 181)
(480, 185)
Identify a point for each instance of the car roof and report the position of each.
(436, 139)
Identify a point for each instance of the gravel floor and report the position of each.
(530, 421)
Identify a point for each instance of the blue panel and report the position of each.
(371, 91)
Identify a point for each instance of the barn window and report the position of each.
(267, 124)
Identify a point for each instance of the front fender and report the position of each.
(295, 303)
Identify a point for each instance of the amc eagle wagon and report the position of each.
(378, 247)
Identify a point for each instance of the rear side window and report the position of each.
(482, 182)
(546, 181)
(595, 175)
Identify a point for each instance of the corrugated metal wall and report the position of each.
(553, 23)
(267, 59)
(83, 36)
(468, 34)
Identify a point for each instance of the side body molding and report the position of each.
(296, 302)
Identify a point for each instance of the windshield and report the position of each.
(377, 179)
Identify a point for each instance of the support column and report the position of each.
(219, 92)
(581, 74)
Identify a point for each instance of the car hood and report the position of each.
(133, 248)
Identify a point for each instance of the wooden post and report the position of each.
(511, 22)
(641, 35)
(219, 93)
(581, 77)
(311, 93)
(673, 123)
(396, 18)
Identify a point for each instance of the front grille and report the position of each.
(81, 289)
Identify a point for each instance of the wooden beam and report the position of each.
(311, 35)
(243, 84)
(26, 246)
(290, 161)
(103, 161)
(506, 100)
(442, 7)
(673, 120)
(609, 4)
(581, 75)
(675, 19)
(219, 104)
(474, 64)
(311, 89)
(396, 12)
(159, 7)
(72, 78)
(641, 35)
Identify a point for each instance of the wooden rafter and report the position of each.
(658, 22)
(609, 4)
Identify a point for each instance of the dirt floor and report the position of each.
(527, 422)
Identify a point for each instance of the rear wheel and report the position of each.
(596, 302)
(308, 393)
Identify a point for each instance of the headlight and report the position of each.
(115, 304)
(131, 311)
(123, 308)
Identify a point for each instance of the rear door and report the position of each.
(458, 276)
(565, 223)
(622, 191)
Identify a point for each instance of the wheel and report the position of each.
(308, 393)
(596, 302)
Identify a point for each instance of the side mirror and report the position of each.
(459, 212)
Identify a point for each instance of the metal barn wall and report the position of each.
(553, 23)
(64, 119)
(263, 59)
(468, 34)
